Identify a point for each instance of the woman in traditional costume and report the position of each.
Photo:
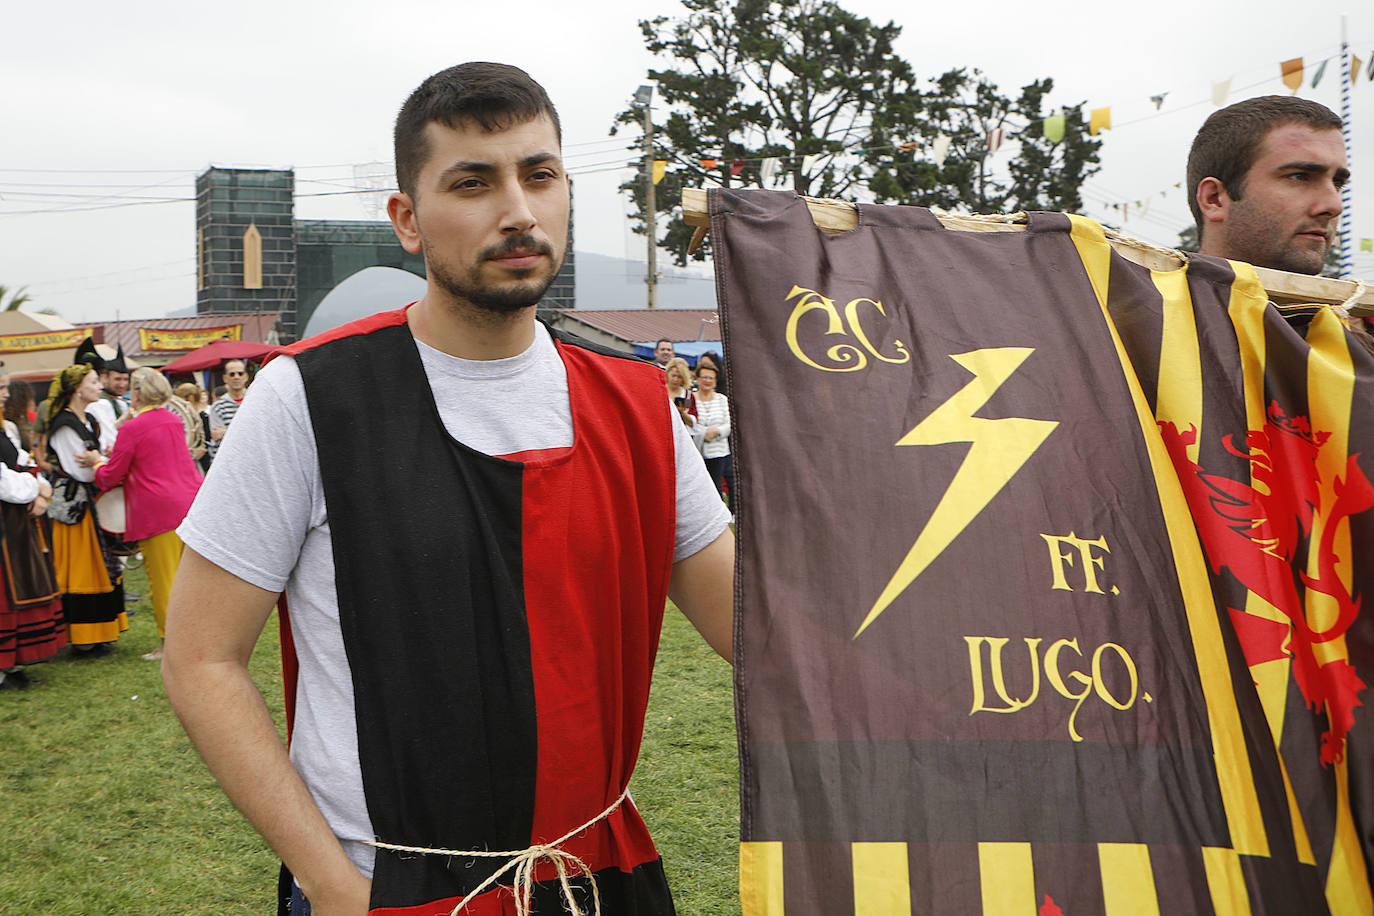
(20, 410)
(31, 623)
(88, 573)
(160, 479)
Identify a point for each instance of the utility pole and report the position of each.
(643, 95)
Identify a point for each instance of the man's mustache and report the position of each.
(518, 243)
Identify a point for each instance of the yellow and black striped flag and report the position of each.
(1051, 576)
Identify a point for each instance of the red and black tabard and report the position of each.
(500, 617)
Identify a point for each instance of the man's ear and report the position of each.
(401, 209)
(1213, 200)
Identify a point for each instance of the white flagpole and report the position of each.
(1347, 266)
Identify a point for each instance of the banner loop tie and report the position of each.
(1343, 310)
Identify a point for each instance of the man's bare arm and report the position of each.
(703, 588)
(213, 621)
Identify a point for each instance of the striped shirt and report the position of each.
(222, 413)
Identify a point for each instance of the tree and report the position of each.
(13, 300)
(822, 90)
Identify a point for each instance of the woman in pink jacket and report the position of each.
(160, 480)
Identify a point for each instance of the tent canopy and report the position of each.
(370, 290)
(215, 353)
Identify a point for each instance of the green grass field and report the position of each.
(108, 810)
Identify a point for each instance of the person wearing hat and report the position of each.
(88, 573)
(115, 381)
(107, 409)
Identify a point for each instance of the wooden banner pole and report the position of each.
(836, 216)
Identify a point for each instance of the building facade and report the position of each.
(253, 255)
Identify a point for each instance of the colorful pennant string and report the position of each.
(1054, 128)
(1220, 90)
(940, 151)
(1292, 73)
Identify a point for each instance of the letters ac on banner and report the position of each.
(1050, 575)
(179, 339)
(45, 340)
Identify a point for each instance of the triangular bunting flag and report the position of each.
(1371, 66)
(736, 166)
(1220, 91)
(768, 170)
(1321, 71)
(1158, 100)
(995, 137)
(709, 164)
(1367, 244)
(1100, 119)
(1355, 63)
(1054, 128)
(1292, 73)
(660, 166)
(940, 150)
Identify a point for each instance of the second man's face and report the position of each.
(1286, 215)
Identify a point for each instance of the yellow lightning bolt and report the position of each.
(997, 449)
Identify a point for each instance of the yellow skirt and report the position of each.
(93, 606)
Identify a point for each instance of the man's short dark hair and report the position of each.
(1228, 143)
(661, 341)
(493, 96)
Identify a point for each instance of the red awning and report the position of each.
(215, 353)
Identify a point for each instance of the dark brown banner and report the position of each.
(1049, 576)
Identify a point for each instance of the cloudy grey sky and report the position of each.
(122, 104)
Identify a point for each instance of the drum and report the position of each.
(109, 512)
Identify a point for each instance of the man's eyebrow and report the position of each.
(467, 165)
(538, 159)
(484, 168)
(1303, 165)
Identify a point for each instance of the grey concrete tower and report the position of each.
(246, 242)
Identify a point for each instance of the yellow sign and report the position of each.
(47, 340)
(190, 339)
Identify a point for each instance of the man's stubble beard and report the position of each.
(498, 300)
(1257, 239)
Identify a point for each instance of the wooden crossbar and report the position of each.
(1285, 289)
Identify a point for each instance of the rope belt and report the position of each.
(524, 861)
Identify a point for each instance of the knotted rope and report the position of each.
(524, 862)
(1343, 310)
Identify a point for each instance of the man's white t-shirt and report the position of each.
(261, 515)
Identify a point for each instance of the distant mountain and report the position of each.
(604, 282)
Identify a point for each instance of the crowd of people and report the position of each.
(704, 408)
(96, 475)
